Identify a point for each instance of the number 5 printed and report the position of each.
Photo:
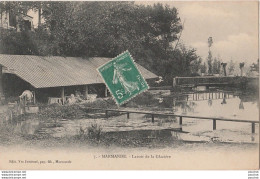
(119, 94)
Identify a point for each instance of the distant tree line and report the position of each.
(105, 29)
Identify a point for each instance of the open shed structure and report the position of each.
(53, 76)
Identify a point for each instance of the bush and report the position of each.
(94, 132)
(144, 99)
(62, 112)
(102, 103)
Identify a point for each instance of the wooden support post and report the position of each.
(180, 122)
(106, 114)
(2, 97)
(214, 124)
(63, 94)
(152, 118)
(86, 91)
(23, 104)
(34, 97)
(128, 115)
(253, 128)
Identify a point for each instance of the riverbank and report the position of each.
(65, 125)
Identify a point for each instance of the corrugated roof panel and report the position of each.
(43, 72)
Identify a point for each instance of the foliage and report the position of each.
(216, 66)
(105, 29)
(183, 61)
(231, 67)
(94, 132)
(12, 42)
(209, 59)
(61, 112)
(144, 99)
(203, 68)
(102, 103)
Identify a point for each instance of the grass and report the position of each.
(92, 134)
(102, 103)
(61, 112)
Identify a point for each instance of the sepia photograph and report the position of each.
(129, 85)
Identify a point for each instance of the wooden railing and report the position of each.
(208, 80)
(154, 114)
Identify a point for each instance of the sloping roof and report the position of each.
(53, 71)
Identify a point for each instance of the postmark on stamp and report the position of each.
(123, 78)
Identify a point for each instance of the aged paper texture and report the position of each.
(200, 60)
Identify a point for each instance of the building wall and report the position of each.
(5, 20)
(9, 20)
(13, 87)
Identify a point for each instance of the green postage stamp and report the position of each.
(122, 78)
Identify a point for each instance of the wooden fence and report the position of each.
(153, 115)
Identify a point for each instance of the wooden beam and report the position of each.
(253, 128)
(176, 115)
(152, 118)
(106, 91)
(214, 124)
(63, 95)
(180, 122)
(34, 97)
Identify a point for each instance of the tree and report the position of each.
(216, 66)
(183, 62)
(210, 42)
(203, 68)
(196, 66)
(231, 67)
(209, 59)
(106, 29)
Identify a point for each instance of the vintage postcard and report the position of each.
(131, 85)
(122, 78)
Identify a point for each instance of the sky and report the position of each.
(232, 25)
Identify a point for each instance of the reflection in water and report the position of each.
(224, 100)
(241, 105)
(230, 105)
(210, 102)
(202, 104)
